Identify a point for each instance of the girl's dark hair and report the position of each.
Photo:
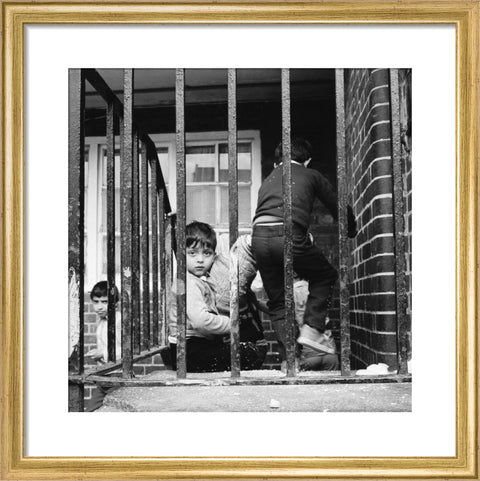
(300, 150)
(100, 289)
(199, 233)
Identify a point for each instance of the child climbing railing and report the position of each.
(151, 236)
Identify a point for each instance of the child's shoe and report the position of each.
(318, 341)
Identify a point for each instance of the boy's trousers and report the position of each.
(308, 262)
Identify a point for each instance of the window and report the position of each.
(207, 183)
(85, 177)
(206, 157)
(162, 153)
(102, 229)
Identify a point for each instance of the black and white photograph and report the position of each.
(240, 240)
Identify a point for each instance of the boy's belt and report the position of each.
(268, 220)
(268, 224)
(268, 230)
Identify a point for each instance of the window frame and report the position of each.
(93, 217)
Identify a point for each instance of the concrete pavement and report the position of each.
(326, 397)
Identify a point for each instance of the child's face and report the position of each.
(199, 260)
(100, 306)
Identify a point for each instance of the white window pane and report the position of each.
(200, 163)
(85, 199)
(104, 255)
(244, 162)
(244, 212)
(104, 167)
(148, 207)
(85, 261)
(103, 219)
(201, 203)
(162, 153)
(103, 193)
(85, 158)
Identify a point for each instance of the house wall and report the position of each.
(369, 158)
(314, 120)
(141, 368)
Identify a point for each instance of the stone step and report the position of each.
(326, 397)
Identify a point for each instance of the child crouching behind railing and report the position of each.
(208, 329)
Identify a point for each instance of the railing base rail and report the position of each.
(251, 378)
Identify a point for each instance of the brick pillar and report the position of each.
(405, 96)
(369, 157)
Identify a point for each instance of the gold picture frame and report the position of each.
(15, 15)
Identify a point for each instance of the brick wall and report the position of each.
(368, 144)
(325, 233)
(140, 368)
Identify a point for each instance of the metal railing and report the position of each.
(143, 312)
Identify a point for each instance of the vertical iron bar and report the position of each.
(145, 251)
(111, 232)
(76, 213)
(162, 266)
(343, 245)
(233, 216)
(181, 220)
(126, 222)
(398, 209)
(154, 209)
(289, 320)
(136, 315)
(168, 245)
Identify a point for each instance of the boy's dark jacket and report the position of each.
(307, 185)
